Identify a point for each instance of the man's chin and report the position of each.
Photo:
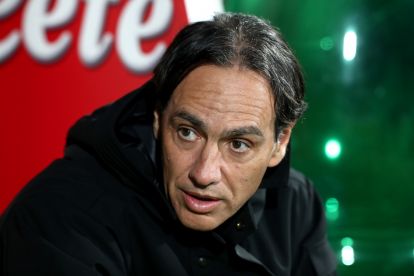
(199, 222)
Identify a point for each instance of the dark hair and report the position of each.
(235, 39)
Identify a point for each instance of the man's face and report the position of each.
(217, 136)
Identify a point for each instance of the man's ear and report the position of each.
(156, 124)
(280, 146)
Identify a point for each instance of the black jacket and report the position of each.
(101, 210)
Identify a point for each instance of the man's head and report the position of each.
(229, 92)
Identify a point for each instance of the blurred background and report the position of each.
(355, 142)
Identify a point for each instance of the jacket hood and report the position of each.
(120, 136)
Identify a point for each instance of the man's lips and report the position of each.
(199, 203)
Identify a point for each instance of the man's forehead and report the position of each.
(225, 93)
(222, 81)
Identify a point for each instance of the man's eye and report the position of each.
(187, 134)
(239, 146)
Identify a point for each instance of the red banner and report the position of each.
(62, 59)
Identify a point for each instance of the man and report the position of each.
(188, 175)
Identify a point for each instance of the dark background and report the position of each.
(366, 105)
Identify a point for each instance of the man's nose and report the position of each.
(206, 169)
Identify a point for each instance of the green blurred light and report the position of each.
(350, 45)
(332, 205)
(347, 255)
(326, 43)
(332, 209)
(347, 251)
(333, 149)
(347, 241)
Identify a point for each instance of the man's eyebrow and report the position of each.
(232, 133)
(194, 120)
(248, 130)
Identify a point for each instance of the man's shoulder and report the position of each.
(302, 199)
(297, 178)
(300, 184)
(66, 215)
(70, 186)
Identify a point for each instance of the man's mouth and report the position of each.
(200, 204)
